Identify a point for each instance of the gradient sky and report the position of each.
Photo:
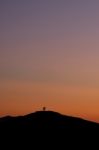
(49, 56)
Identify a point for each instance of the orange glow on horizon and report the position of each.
(24, 97)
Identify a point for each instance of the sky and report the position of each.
(49, 56)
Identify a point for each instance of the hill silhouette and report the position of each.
(44, 120)
(45, 124)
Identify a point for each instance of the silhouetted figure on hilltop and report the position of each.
(44, 108)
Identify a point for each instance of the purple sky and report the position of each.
(49, 49)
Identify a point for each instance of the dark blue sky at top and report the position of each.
(41, 12)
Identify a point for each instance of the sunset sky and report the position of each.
(49, 56)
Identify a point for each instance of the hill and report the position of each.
(45, 124)
(46, 119)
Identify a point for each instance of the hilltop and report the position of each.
(42, 125)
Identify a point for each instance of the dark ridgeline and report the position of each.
(47, 125)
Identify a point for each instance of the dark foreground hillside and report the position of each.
(47, 126)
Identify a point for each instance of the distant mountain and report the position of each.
(45, 124)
